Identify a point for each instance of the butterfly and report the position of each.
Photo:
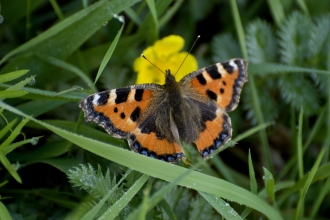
(156, 118)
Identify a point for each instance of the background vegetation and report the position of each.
(55, 166)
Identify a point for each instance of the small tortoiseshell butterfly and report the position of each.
(155, 118)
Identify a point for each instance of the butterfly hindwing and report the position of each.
(220, 82)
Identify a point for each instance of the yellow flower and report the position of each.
(165, 54)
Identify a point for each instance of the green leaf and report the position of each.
(253, 181)
(221, 206)
(5, 162)
(62, 164)
(294, 33)
(298, 91)
(269, 185)
(202, 209)
(179, 200)
(12, 94)
(161, 170)
(80, 26)
(12, 75)
(15, 145)
(109, 53)
(224, 46)
(4, 214)
(13, 134)
(276, 68)
(309, 182)
(66, 66)
(21, 84)
(113, 211)
(299, 145)
(49, 150)
(277, 11)
(94, 182)
(153, 11)
(261, 42)
(5, 129)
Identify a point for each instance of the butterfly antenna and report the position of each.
(197, 38)
(142, 55)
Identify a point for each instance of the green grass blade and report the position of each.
(170, 12)
(239, 28)
(319, 199)
(152, 8)
(161, 170)
(277, 68)
(167, 209)
(5, 162)
(253, 181)
(269, 185)
(49, 150)
(15, 145)
(133, 16)
(299, 145)
(277, 11)
(12, 75)
(303, 6)
(57, 9)
(12, 94)
(4, 214)
(62, 164)
(93, 17)
(109, 53)
(315, 130)
(308, 183)
(13, 134)
(4, 130)
(255, 98)
(67, 66)
(221, 206)
(21, 84)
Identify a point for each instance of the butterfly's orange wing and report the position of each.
(130, 113)
(221, 84)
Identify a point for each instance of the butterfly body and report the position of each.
(155, 118)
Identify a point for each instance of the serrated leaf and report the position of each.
(179, 200)
(265, 89)
(294, 35)
(93, 181)
(200, 209)
(297, 91)
(224, 46)
(261, 42)
(320, 35)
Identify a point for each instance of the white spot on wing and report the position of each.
(131, 95)
(221, 70)
(207, 76)
(231, 63)
(112, 96)
(96, 99)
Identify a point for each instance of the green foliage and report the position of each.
(94, 182)
(54, 53)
